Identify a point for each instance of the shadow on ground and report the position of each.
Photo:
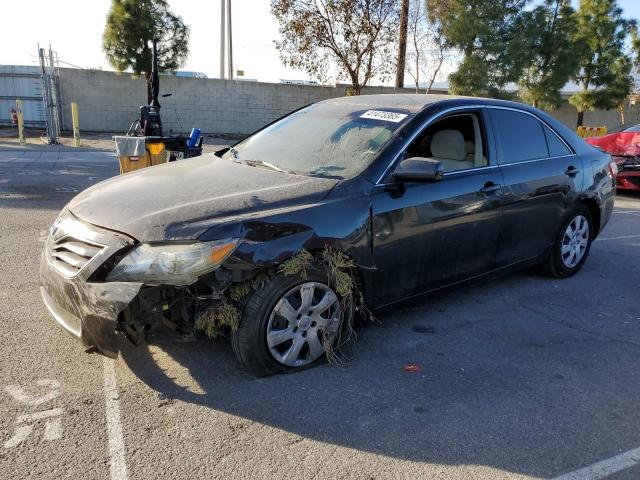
(514, 373)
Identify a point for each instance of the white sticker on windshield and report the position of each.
(382, 115)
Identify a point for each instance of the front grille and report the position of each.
(69, 255)
(628, 163)
(75, 248)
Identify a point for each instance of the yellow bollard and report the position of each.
(20, 122)
(76, 125)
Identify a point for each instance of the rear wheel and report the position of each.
(287, 323)
(572, 244)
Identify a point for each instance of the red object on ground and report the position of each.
(412, 368)
(624, 148)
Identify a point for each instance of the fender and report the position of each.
(342, 223)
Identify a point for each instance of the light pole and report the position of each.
(229, 41)
(223, 19)
(226, 42)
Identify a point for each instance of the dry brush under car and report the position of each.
(223, 314)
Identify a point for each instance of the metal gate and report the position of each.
(24, 83)
(51, 100)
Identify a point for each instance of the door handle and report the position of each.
(489, 188)
(571, 171)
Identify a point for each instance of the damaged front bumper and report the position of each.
(88, 310)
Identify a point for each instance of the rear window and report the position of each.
(520, 136)
(557, 148)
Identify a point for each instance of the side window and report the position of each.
(557, 148)
(519, 135)
(456, 141)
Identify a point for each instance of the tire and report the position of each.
(259, 320)
(561, 263)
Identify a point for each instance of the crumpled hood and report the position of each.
(622, 144)
(181, 200)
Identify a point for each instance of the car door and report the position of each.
(541, 176)
(427, 235)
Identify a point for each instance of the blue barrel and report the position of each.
(193, 137)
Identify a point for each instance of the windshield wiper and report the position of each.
(324, 172)
(260, 163)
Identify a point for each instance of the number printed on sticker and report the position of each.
(382, 115)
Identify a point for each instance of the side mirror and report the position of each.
(419, 169)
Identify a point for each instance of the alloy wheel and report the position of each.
(302, 321)
(575, 241)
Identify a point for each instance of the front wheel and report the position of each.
(288, 324)
(572, 244)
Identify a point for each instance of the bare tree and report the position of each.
(354, 35)
(428, 50)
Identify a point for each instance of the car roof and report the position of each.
(414, 102)
(411, 102)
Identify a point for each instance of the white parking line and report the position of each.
(605, 467)
(627, 212)
(621, 237)
(635, 214)
(117, 459)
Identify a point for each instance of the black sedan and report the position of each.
(345, 205)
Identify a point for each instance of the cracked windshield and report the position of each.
(320, 140)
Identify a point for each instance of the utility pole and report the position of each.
(223, 20)
(402, 43)
(226, 40)
(229, 42)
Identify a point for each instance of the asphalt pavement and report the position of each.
(520, 377)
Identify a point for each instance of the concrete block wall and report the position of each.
(609, 118)
(109, 102)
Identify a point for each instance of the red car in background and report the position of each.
(624, 148)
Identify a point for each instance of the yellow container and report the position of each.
(131, 163)
(155, 155)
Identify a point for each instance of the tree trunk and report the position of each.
(354, 89)
(585, 88)
(402, 43)
(147, 79)
(417, 78)
(434, 75)
(535, 103)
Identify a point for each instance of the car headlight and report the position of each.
(171, 263)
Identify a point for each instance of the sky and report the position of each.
(74, 30)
